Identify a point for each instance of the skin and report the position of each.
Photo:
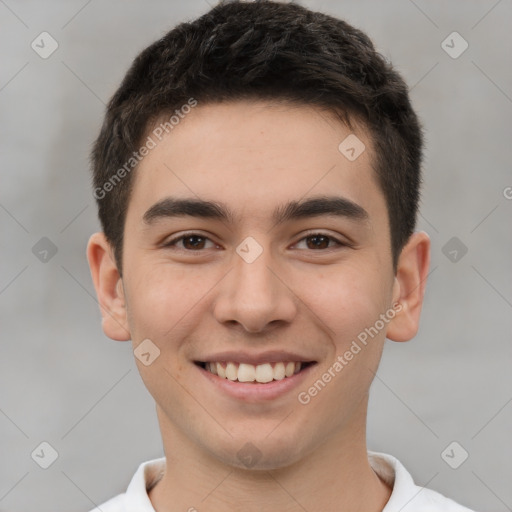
(253, 157)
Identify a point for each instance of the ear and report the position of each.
(109, 288)
(409, 287)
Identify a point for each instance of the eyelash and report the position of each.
(172, 243)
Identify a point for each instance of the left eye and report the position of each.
(317, 241)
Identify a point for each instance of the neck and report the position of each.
(334, 476)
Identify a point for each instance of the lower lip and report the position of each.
(253, 391)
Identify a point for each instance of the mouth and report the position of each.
(264, 373)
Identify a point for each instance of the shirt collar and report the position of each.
(389, 469)
(146, 476)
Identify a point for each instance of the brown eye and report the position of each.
(190, 242)
(318, 242)
(193, 242)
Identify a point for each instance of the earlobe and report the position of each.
(409, 287)
(109, 288)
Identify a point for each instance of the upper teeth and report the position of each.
(262, 373)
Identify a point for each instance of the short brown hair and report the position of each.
(271, 51)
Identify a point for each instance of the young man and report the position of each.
(257, 177)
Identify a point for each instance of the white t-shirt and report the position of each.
(405, 497)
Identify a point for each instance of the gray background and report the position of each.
(62, 381)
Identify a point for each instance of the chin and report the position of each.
(259, 455)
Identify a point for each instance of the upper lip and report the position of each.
(272, 356)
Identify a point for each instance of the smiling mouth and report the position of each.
(248, 373)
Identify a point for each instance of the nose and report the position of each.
(255, 295)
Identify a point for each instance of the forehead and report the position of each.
(253, 155)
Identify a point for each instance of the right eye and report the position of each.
(189, 242)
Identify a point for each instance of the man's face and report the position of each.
(257, 285)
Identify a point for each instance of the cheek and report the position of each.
(163, 306)
(347, 298)
(162, 298)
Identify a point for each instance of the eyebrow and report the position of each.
(312, 207)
